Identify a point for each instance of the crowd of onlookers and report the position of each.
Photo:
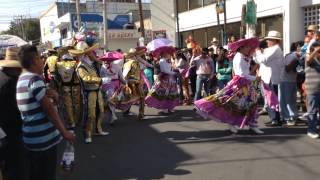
(200, 72)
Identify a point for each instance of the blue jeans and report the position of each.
(273, 114)
(288, 100)
(222, 83)
(313, 104)
(202, 81)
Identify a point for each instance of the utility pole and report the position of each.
(141, 20)
(22, 28)
(225, 23)
(105, 25)
(78, 14)
(177, 19)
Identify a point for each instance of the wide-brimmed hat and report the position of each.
(312, 28)
(135, 52)
(64, 50)
(273, 35)
(82, 48)
(111, 56)
(214, 40)
(251, 42)
(11, 59)
(163, 49)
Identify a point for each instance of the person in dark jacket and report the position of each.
(10, 120)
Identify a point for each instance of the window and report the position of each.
(184, 35)
(200, 36)
(182, 5)
(195, 4)
(208, 2)
(311, 16)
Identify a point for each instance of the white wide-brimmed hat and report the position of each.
(82, 48)
(312, 28)
(214, 40)
(11, 59)
(273, 35)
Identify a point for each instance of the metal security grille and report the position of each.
(312, 16)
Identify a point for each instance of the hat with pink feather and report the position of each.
(111, 56)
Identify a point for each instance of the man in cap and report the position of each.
(69, 85)
(214, 45)
(270, 67)
(10, 122)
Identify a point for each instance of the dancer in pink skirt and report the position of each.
(164, 94)
(236, 104)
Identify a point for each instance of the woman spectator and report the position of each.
(181, 63)
(223, 69)
(288, 87)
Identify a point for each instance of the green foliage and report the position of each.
(31, 29)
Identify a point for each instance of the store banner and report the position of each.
(251, 13)
(115, 21)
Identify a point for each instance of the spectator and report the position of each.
(10, 122)
(313, 88)
(223, 69)
(204, 72)
(182, 64)
(311, 32)
(214, 46)
(40, 119)
(192, 71)
(288, 85)
(270, 66)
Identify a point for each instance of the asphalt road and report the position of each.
(184, 146)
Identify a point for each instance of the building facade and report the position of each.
(199, 18)
(59, 22)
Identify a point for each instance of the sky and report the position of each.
(27, 8)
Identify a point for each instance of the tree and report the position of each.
(27, 29)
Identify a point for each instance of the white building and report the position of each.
(58, 23)
(199, 18)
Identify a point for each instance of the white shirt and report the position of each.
(309, 45)
(114, 72)
(241, 67)
(270, 64)
(165, 67)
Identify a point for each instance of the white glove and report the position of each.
(106, 80)
(2, 134)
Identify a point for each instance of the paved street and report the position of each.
(184, 146)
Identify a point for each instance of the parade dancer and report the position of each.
(69, 86)
(112, 68)
(236, 103)
(132, 73)
(50, 68)
(164, 95)
(90, 80)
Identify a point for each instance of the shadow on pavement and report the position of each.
(272, 135)
(133, 150)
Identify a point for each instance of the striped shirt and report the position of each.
(39, 134)
(313, 78)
